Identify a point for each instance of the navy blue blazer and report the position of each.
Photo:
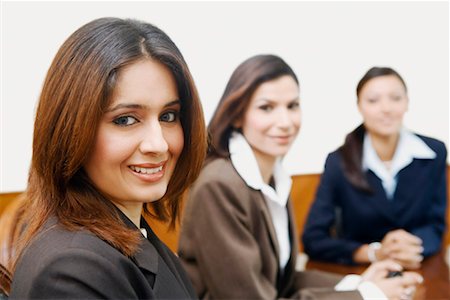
(342, 218)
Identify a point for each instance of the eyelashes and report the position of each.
(128, 120)
(124, 121)
(268, 107)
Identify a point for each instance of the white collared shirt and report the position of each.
(244, 161)
(409, 146)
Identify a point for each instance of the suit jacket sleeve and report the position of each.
(318, 285)
(75, 274)
(317, 239)
(432, 232)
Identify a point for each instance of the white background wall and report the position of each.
(329, 44)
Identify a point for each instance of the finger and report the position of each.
(407, 293)
(398, 247)
(408, 238)
(407, 257)
(405, 247)
(409, 265)
(411, 279)
(387, 265)
(380, 269)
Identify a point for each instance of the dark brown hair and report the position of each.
(351, 150)
(75, 94)
(247, 77)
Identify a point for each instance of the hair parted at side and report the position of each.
(352, 149)
(76, 92)
(247, 77)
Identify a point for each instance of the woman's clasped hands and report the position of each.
(400, 287)
(402, 247)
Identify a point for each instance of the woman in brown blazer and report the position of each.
(119, 129)
(238, 238)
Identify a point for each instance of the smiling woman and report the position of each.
(384, 192)
(113, 136)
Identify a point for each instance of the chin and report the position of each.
(151, 196)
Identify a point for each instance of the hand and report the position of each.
(398, 288)
(403, 247)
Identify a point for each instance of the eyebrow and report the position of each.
(274, 101)
(140, 106)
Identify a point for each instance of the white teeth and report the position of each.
(146, 170)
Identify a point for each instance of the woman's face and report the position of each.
(272, 119)
(383, 102)
(140, 137)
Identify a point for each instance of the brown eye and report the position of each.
(266, 108)
(294, 105)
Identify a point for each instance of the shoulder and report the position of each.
(220, 187)
(435, 144)
(333, 162)
(334, 156)
(56, 247)
(61, 263)
(220, 172)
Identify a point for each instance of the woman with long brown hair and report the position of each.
(238, 238)
(119, 129)
(384, 191)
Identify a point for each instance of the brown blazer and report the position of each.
(229, 248)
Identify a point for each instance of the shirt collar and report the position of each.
(244, 161)
(409, 147)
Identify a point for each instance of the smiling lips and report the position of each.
(148, 172)
(282, 139)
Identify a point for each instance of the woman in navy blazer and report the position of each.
(383, 193)
(119, 129)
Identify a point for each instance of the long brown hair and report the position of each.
(76, 92)
(247, 77)
(351, 150)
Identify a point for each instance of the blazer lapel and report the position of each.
(410, 179)
(289, 270)
(163, 254)
(147, 257)
(268, 220)
(379, 199)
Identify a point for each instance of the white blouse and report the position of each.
(245, 163)
(409, 146)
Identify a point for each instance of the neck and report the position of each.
(266, 164)
(132, 210)
(385, 145)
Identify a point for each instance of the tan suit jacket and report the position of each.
(229, 248)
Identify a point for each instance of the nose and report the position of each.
(284, 119)
(385, 105)
(153, 140)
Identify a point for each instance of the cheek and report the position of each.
(175, 140)
(297, 119)
(254, 124)
(110, 149)
(367, 113)
(401, 110)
